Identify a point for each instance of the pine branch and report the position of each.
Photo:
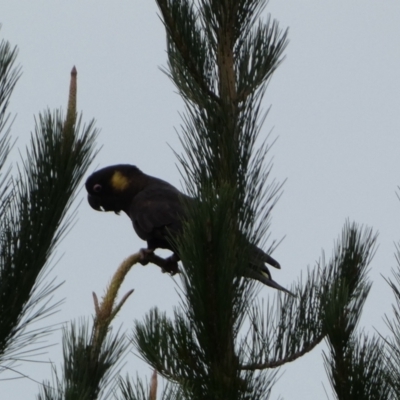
(90, 360)
(279, 363)
(9, 75)
(32, 224)
(179, 31)
(354, 364)
(198, 348)
(359, 371)
(392, 344)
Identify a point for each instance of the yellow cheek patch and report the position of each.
(119, 181)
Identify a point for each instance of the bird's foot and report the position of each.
(171, 265)
(145, 255)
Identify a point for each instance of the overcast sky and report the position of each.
(335, 113)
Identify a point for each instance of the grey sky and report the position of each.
(335, 110)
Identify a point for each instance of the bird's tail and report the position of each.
(258, 256)
(264, 276)
(259, 271)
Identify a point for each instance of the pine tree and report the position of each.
(222, 343)
(34, 203)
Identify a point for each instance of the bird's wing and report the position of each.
(156, 209)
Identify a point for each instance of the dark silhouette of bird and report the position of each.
(156, 210)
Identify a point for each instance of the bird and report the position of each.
(157, 212)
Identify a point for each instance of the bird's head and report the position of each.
(112, 188)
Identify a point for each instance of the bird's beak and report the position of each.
(94, 203)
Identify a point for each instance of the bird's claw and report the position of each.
(171, 265)
(144, 255)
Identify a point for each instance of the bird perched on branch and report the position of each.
(156, 211)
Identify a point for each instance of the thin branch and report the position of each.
(153, 386)
(279, 363)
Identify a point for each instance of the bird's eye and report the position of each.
(97, 188)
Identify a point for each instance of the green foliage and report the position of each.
(213, 48)
(9, 75)
(392, 343)
(87, 371)
(33, 216)
(356, 369)
(31, 224)
(355, 365)
(221, 343)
